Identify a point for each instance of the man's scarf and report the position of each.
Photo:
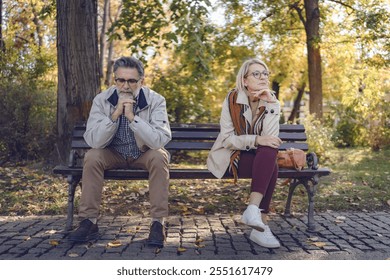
(241, 127)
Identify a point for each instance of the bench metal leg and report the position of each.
(291, 189)
(310, 186)
(73, 182)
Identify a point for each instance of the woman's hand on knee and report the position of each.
(268, 140)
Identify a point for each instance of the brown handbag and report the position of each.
(292, 159)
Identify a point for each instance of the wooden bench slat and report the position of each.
(210, 135)
(125, 174)
(199, 146)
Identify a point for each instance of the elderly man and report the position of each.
(127, 127)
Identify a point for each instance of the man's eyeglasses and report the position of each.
(121, 81)
(258, 75)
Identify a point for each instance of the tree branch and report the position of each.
(296, 7)
(343, 4)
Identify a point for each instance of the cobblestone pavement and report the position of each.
(340, 235)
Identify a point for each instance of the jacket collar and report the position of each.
(242, 98)
(142, 99)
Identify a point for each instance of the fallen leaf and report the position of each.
(198, 240)
(312, 239)
(318, 244)
(200, 245)
(115, 243)
(388, 202)
(54, 242)
(181, 249)
(73, 255)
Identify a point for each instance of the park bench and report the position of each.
(198, 137)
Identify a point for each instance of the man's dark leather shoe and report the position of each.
(85, 232)
(156, 235)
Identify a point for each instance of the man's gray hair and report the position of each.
(243, 72)
(129, 62)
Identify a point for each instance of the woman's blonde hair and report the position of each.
(240, 86)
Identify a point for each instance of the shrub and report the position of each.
(319, 137)
(27, 119)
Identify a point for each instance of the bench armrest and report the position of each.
(74, 156)
(312, 160)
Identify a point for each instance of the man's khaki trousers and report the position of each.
(98, 160)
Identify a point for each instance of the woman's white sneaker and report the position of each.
(265, 239)
(252, 218)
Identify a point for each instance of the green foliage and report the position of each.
(27, 90)
(318, 137)
(369, 107)
(27, 120)
(141, 23)
(346, 130)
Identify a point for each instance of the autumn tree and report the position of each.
(78, 65)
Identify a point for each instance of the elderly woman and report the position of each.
(247, 144)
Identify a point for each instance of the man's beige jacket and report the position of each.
(150, 125)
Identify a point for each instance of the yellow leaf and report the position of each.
(181, 249)
(313, 239)
(54, 242)
(115, 243)
(186, 213)
(318, 244)
(200, 210)
(200, 245)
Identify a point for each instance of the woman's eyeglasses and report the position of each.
(258, 75)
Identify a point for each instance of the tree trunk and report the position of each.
(297, 104)
(38, 28)
(276, 88)
(314, 56)
(2, 44)
(78, 66)
(110, 61)
(103, 36)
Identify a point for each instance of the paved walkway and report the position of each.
(341, 235)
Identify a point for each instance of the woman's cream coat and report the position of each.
(219, 157)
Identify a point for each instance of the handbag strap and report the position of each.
(291, 154)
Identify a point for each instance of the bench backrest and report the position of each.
(202, 137)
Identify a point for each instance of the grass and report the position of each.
(360, 180)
